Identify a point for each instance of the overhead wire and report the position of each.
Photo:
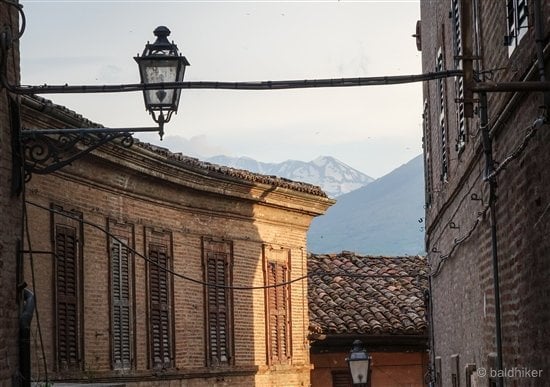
(33, 280)
(531, 131)
(457, 243)
(210, 284)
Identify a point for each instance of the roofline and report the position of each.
(177, 160)
(373, 343)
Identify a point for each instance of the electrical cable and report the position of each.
(150, 261)
(19, 8)
(451, 219)
(458, 242)
(33, 279)
(539, 122)
(209, 284)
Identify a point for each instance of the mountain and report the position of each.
(381, 218)
(333, 176)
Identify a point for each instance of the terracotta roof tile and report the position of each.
(241, 174)
(353, 294)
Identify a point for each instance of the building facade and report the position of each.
(152, 268)
(378, 300)
(487, 192)
(10, 207)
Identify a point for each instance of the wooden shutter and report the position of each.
(67, 284)
(159, 307)
(278, 312)
(459, 81)
(121, 306)
(440, 66)
(341, 379)
(218, 308)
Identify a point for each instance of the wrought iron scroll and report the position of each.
(48, 152)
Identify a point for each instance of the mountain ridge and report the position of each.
(381, 218)
(333, 176)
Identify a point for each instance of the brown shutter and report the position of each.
(66, 278)
(159, 296)
(121, 306)
(218, 313)
(278, 312)
(341, 379)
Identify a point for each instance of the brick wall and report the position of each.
(463, 292)
(387, 368)
(10, 210)
(140, 188)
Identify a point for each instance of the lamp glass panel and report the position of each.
(158, 71)
(359, 370)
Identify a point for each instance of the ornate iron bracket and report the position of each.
(48, 150)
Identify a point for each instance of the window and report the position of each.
(277, 305)
(218, 261)
(67, 306)
(341, 379)
(517, 23)
(440, 66)
(122, 317)
(458, 81)
(160, 299)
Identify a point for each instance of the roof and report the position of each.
(364, 295)
(240, 174)
(72, 118)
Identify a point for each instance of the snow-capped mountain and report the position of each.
(333, 176)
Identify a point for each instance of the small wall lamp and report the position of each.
(359, 363)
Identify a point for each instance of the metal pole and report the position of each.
(489, 166)
(30, 132)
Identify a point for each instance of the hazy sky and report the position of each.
(373, 129)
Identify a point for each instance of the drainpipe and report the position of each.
(428, 302)
(489, 167)
(25, 338)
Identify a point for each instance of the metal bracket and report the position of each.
(48, 150)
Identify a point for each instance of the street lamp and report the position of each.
(46, 150)
(359, 363)
(161, 62)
